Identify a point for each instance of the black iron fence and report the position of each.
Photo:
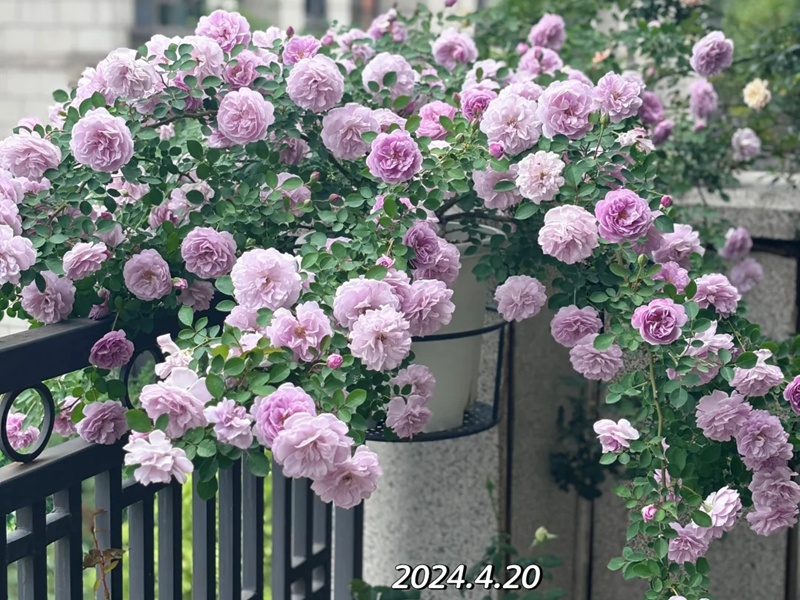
(69, 511)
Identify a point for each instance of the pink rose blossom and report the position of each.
(351, 481)
(512, 122)
(418, 378)
(197, 295)
(679, 245)
(692, 543)
(16, 255)
(571, 324)
(569, 234)
(53, 304)
(520, 297)
(594, 364)
(299, 47)
(430, 125)
(267, 39)
(266, 279)
(618, 96)
(101, 141)
(549, 32)
(242, 71)
(102, 422)
(182, 397)
(358, 43)
(355, 297)
(384, 63)
(651, 111)
(672, 272)
(475, 100)
(232, 424)
(792, 394)
(762, 441)
(720, 416)
(147, 275)
(537, 61)
(335, 361)
(156, 459)
(445, 267)
(715, 290)
(623, 216)
(388, 24)
(127, 76)
(271, 412)
(112, 350)
(746, 275)
(228, 29)
(381, 339)
(28, 155)
(84, 259)
(452, 48)
(724, 507)
(615, 437)
(702, 99)
(484, 182)
(315, 84)
(539, 176)
(244, 116)
(407, 416)
(774, 488)
(303, 333)
(208, 253)
(745, 144)
(18, 437)
(343, 128)
(311, 446)
(564, 109)
(758, 380)
(738, 244)
(772, 520)
(63, 424)
(649, 513)
(427, 306)
(712, 54)
(662, 131)
(394, 157)
(660, 321)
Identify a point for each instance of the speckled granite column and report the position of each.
(432, 505)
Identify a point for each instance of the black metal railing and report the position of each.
(70, 510)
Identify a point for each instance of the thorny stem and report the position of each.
(102, 567)
(660, 418)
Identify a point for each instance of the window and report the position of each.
(168, 17)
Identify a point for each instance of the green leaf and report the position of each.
(235, 366)
(207, 489)
(389, 79)
(525, 211)
(60, 96)
(701, 518)
(505, 185)
(664, 224)
(747, 360)
(162, 422)
(224, 285)
(356, 398)
(212, 82)
(258, 463)
(604, 341)
(376, 272)
(215, 385)
(413, 123)
(138, 420)
(616, 563)
(607, 459)
(186, 315)
(195, 149)
(292, 183)
(369, 136)
(206, 448)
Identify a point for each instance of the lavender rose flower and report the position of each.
(571, 324)
(311, 446)
(266, 279)
(387, 24)
(724, 507)
(384, 63)
(774, 488)
(244, 116)
(102, 422)
(690, 544)
(452, 48)
(527, 89)
(623, 216)
(762, 439)
(712, 54)
(660, 321)
(746, 274)
(355, 297)
(445, 268)
(394, 157)
(702, 99)
(156, 459)
(549, 32)
(28, 155)
(758, 380)
(127, 76)
(430, 125)
(343, 128)
(746, 144)
(538, 61)
(594, 364)
(792, 394)
(407, 416)
(241, 72)
(381, 339)
(20, 437)
(112, 350)
(182, 397)
(271, 412)
(520, 297)
(539, 176)
(618, 96)
(715, 290)
(475, 100)
(147, 275)
(564, 109)
(197, 295)
(101, 141)
(678, 246)
(484, 183)
(351, 481)
(569, 234)
(662, 131)
(427, 306)
(672, 272)
(232, 424)
(16, 255)
(300, 47)
(512, 122)
(418, 378)
(315, 84)
(651, 111)
(84, 259)
(771, 520)
(738, 244)
(303, 333)
(355, 42)
(720, 416)
(615, 437)
(63, 425)
(208, 253)
(228, 29)
(53, 304)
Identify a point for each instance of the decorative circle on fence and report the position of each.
(48, 421)
(132, 369)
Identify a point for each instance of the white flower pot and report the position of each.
(455, 363)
